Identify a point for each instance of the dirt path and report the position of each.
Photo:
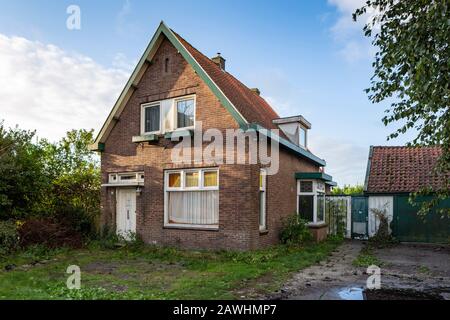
(420, 268)
(333, 279)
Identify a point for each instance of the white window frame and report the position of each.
(182, 188)
(115, 178)
(314, 193)
(263, 190)
(174, 109)
(306, 136)
(175, 112)
(150, 105)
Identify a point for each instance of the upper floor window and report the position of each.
(302, 137)
(185, 113)
(152, 118)
(168, 115)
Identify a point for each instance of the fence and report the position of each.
(338, 215)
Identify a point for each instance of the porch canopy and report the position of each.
(326, 178)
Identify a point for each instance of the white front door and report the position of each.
(126, 212)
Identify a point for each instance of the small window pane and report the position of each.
(210, 179)
(320, 207)
(306, 207)
(152, 119)
(262, 210)
(191, 179)
(306, 186)
(302, 137)
(261, 181)
(174, 180)
(185, 113)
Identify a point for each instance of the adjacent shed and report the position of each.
(393, 173)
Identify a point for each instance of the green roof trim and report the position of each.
(314, 175)
(163, 29)
(145, 138)
(331, 183)
(369, 163)
(179, 133)
(292, 147)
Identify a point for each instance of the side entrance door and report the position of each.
(360, 210)
(126, 212)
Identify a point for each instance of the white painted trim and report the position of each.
(175, 111)
(183, 188)
(150, 105)
(314, 194)
(263, 189)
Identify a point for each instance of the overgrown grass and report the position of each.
(147, 272)
(366, 258)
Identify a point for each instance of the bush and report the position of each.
(9, 237)
(295, 230)
(78, 220)
(49, 233)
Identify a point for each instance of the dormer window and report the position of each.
(295, 128)
(302, 137)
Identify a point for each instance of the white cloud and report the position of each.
(348, 33)
(346, 161)
(43, 87)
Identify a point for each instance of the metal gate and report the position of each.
(337, 215)
(360, 210)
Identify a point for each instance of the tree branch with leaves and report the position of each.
(412, 68)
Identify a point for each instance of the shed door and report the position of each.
(126, 212)
(360, 217)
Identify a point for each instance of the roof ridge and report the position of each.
(274, 113)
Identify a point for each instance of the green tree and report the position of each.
(22, 179)
(348, 190)
(75, 179)
(412, 68)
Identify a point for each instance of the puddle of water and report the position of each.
(353, 293)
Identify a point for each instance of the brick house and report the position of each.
(212, 206)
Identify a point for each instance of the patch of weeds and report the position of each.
(366, 258)
(59, 292)
(424, 269)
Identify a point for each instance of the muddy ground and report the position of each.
(409, 267)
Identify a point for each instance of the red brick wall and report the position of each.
(239, 184)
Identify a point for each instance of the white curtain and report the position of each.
(194, 207)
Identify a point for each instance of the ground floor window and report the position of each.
(262, 200)
(192, 198)
(311, 201)
(306, 208)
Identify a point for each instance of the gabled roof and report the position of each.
(402, 169)
(252, 106)
(247, 108)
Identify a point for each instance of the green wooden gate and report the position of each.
(408, 227)
(360, 210)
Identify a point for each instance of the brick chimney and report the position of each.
(219, 60)
(256, 90)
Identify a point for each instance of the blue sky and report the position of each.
(307, 57)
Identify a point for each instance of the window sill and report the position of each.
(179, 133)
(317, 224)
(191, 227)
(145, 138)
